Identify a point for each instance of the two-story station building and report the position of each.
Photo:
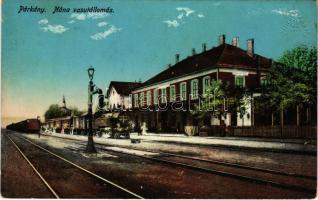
(187, 79)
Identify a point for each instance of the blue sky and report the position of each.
(45, 56)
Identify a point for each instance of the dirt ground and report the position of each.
(154, 180)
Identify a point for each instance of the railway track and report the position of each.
(55, 192)
(304, 186)
(274, 178)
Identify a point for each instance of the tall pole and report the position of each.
(90, 143)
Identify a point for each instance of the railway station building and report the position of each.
(187, 79)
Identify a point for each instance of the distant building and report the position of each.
(119, 94)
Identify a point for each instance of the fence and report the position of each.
(309, 132)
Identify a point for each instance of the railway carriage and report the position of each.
(26, 126)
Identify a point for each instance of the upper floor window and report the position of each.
(194, 89)
(136, 100)
(163, 95)
(148, 98)
(155, 96)
(183, 91)
(172, 93)
(264, 81)
(206, 83)
(141, 99)
(239, 81)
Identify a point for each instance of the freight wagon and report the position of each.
(26, 126)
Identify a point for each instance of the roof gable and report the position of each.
(122, 88)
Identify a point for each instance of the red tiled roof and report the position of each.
(224, 55)
(123, 88)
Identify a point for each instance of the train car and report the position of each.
(26, 126)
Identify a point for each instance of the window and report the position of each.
(264, 81)
(136, 100)
(172, 93)
(194, 89)
(141, 99)
(130, 101)
(206, 84)
(148, 98)
(239, 81)
(155, 96)
(183, 91)
(163, 95)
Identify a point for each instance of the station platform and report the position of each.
(264, 144)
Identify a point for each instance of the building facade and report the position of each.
(184, 82)
(119, 95)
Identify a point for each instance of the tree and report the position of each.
(220, 99)
(55, 111)
(301, 67)
(211, 103)
(302, 58)
(292, 82)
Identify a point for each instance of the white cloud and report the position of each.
(180, 16)
(105, 34)
(84, 16)
(97, 15)
(71, 21)
(43, 21)
(292, 13)
(187, 11)
(77, 16)
(183, 13)
(172, 23)
(101, 24)
(56, 29)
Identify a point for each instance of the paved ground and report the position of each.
(154, 180)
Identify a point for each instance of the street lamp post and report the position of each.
(90, 143)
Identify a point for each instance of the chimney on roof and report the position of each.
(221, 39)
(169, 65)
(204, 47)
(235, 41)
(177, 58)
(193, 51)
(250, 47)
